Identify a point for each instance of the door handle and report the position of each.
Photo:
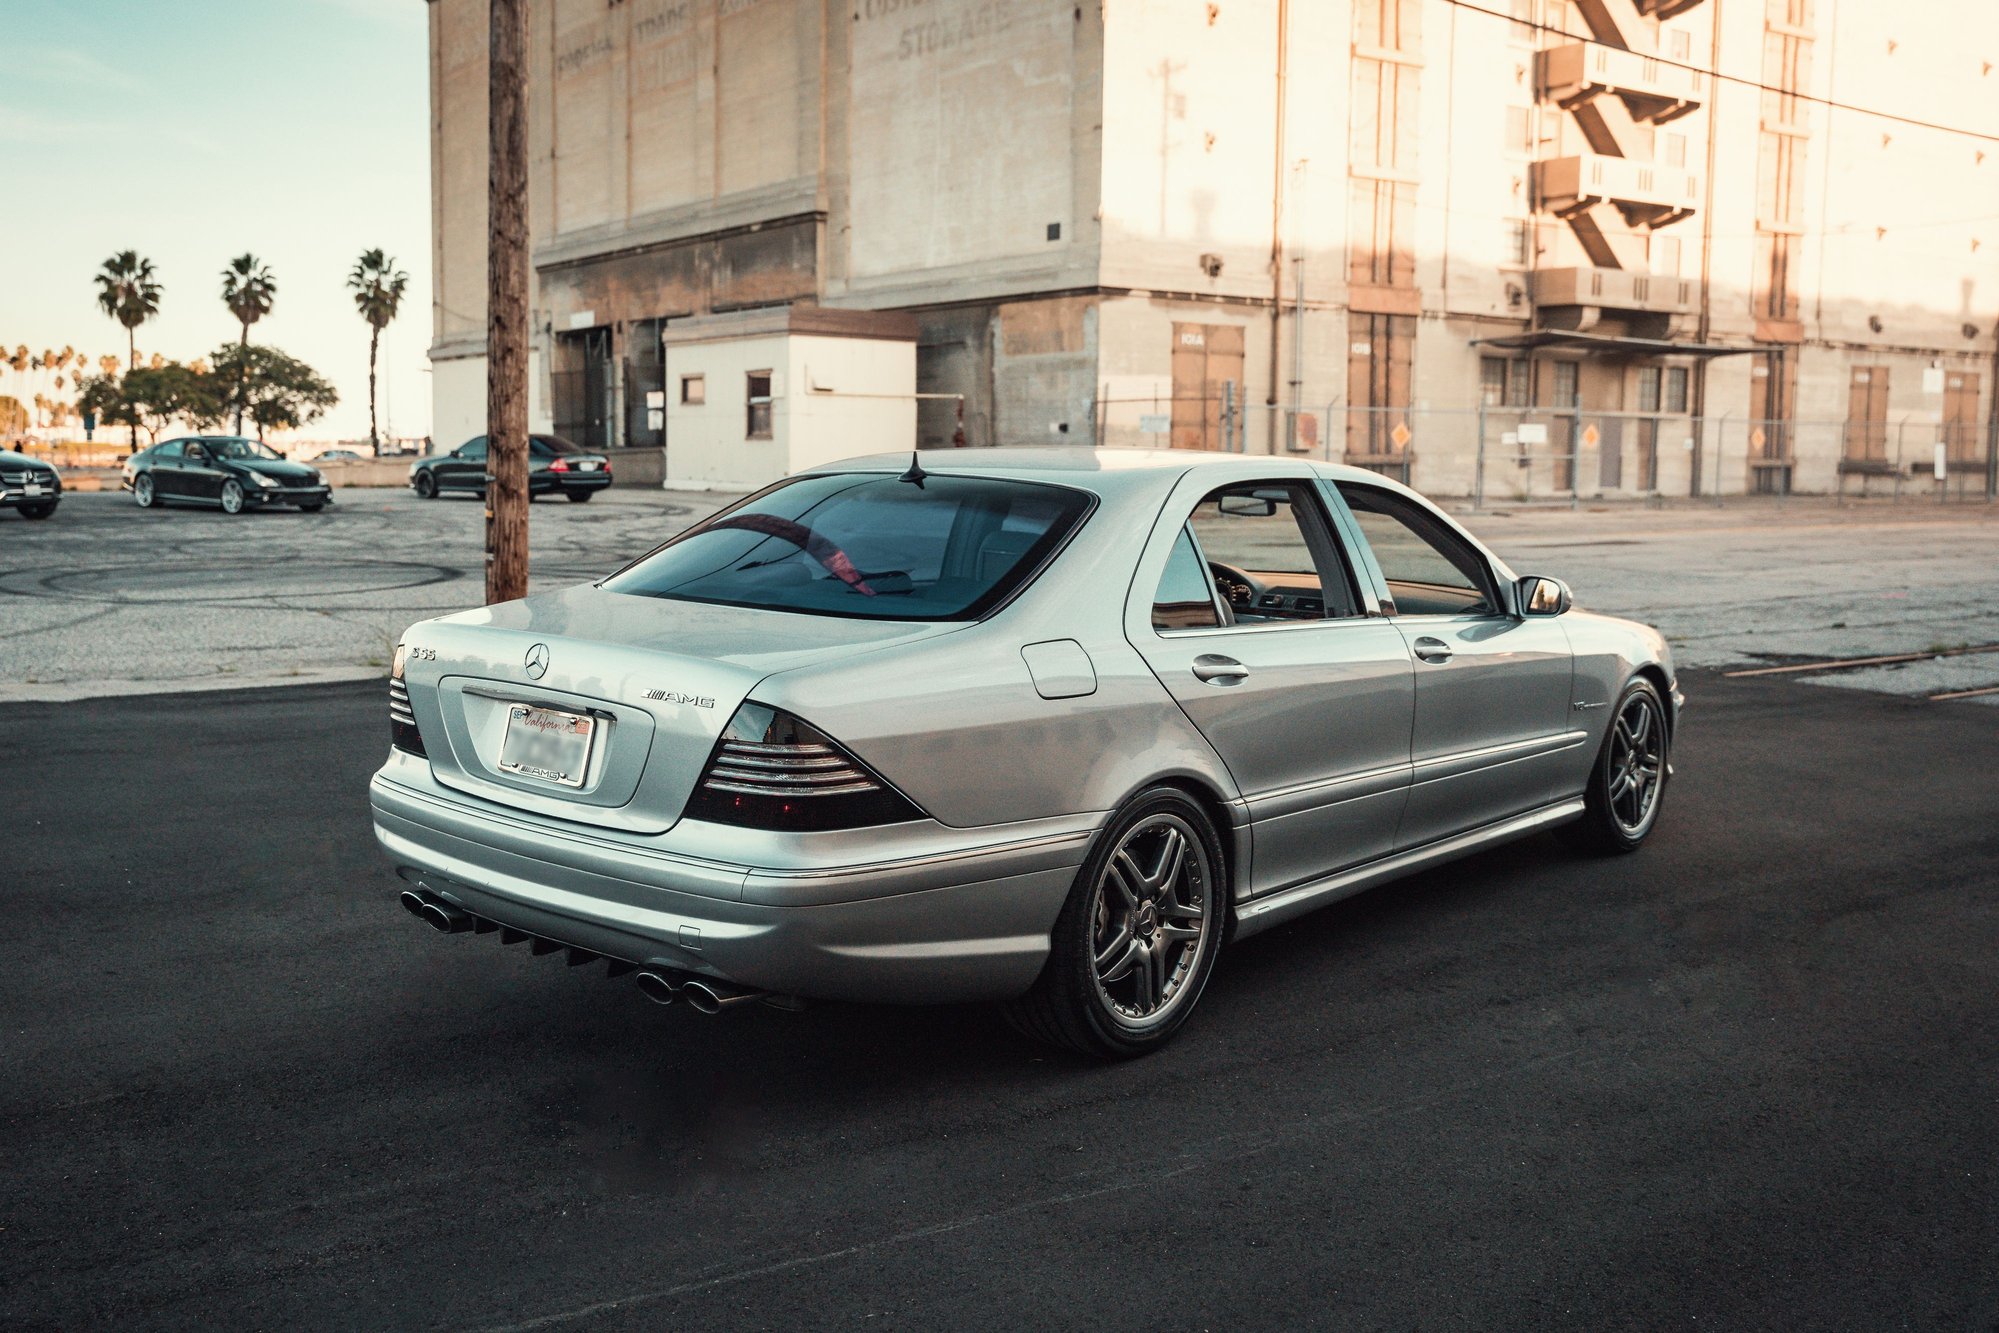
(1218, 670)
(1433, 650)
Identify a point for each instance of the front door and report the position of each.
(1258, 630)
(1492, 734)
(200, 477)
(465, 469)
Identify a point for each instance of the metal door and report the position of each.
(1205, 356)
(1311, 719)
(1491, 734)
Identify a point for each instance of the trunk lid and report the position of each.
(658, 678)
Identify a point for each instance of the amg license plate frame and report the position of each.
(551, 745)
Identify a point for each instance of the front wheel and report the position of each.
(426, 486)
(42, 510)
(1137, 938)
(1627, 786)
(143, 493)
(313, 507)
(232, 497)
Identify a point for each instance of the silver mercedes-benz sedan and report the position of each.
(1049, 727)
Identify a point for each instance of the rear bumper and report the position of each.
(541, 483)
(971, 923)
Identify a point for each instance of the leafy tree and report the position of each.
(279, 392)
(248, 288)
(378, 287)
(128, 292)
(13, 417)
(103, 397)
(157, 395)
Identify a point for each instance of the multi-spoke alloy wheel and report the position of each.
(1149, 918)
(1628, 784)
(1637, 764)
(1138, 936)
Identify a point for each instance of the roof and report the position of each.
(1075, 459)
(1613, 344)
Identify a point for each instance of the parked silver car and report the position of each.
(1042, 726)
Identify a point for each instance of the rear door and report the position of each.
(163, 464)
(1248, 613)
(1492, 734)
(201, 476)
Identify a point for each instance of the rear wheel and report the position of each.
(143, 493)
(1137, 938)
(42, 510)
(426, 486)
(1628, 785)
(232, 497)
(579, 496)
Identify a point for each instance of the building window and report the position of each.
(693, 390)
(759, 400)
(1648, 388)
(1520, 130)
(1521, 30)
(1514, 251)
(1502, 381)
(1676, 388)
(1666, 256)
(1681, 44)
(1676, 150)
(1566, 379)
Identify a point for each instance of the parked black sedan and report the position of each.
(226, 471)
(554, 464)
(28, 485)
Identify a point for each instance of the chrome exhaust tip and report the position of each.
(711, 997)
(656, 987)
(412, 902)
(440, 915)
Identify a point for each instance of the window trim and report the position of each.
(1494, 590)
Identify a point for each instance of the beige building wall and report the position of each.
(1058, 192)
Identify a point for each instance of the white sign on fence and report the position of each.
(1941, 465)
(1533, 433)
(1932, 379)
(1154, 423)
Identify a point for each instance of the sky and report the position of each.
(195, 130)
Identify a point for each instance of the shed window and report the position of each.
(693, 390)
(758, 427)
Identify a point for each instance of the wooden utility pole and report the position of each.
(507, 306)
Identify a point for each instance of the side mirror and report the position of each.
(1544, 597)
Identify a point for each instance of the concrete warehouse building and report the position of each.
(1513, 246)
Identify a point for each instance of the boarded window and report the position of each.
(758, 421)
(693, 390)
(1867, 415)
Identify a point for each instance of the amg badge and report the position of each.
(675, 697)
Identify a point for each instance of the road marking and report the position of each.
(1842, 663)
(1965, 694)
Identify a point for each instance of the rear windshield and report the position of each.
(868, 546)
(546, 445)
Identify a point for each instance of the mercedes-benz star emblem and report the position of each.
(537, 661)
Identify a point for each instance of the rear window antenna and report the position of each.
(916, 473)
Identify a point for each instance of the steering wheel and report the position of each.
(1237, 587)
(830, 557)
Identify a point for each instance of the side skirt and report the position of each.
(1262, 913)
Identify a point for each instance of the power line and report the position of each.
(1718, 76)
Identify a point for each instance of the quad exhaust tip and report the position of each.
(436, 913)
(656, 987)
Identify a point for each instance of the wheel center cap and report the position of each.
(1148, 919)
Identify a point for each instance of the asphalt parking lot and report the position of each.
(1748, 1078)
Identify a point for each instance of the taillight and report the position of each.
(772, 771)
(559, 465)
(402, 719)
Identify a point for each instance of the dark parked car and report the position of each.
(554, 464)
(227, 471)
(29, 485)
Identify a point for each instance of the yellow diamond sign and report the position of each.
(1400, 435)
(1756, 438)
(1590, 436)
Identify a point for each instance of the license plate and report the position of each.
(33, 488)
(547, 744)
(587, 467)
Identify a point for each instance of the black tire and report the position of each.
(312, 508)
(234, 501)
(1612, 823)
(143, 493)
(579, 497)
(42, 510)
(1068, 1005)
(426, 486)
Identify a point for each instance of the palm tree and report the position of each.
(248, 287)
(128, 292)
(378, 292)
